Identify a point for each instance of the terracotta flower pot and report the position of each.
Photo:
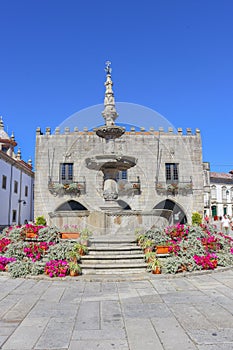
(162, 249)
(73, 273)
(70, 235)
(31, 234)
(157, 270)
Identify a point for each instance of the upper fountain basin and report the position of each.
(114, 161)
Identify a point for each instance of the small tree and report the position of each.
(40, 221)
(196, 218)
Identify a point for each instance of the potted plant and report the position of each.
(154, 266)
(85, 234)
(150, 256)
(141, 237)
(73, 255)
(81, 248)
(148, 245)
(72, 188)
(74, 268)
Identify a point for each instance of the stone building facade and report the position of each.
(165, 185)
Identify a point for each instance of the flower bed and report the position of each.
(46, 253)
(199, 247)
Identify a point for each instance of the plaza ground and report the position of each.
(180, 312)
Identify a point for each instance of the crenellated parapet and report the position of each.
(152, 131)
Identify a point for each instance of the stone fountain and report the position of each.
(110, 163)
(113, 218)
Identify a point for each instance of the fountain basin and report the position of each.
(110, 132)
(111, 161)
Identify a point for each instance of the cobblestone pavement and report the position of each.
(151, 312)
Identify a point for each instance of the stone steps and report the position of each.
(113, 255)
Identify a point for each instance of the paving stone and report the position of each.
(56, 310)
(21, 308)
(228, 346)
(53, 294)
(141, 335)
(191, 318)
(88, 316)
(185, 297)
(217, 315)
(171, 334)
(212, 336)
(144, 311)
(57, 335)
(111, 315)
(99, 334)
(112, 344)
(25, 336)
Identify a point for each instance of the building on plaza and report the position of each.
(16, 183)
(218, 200)
(165, 179)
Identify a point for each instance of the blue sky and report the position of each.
(172, 56)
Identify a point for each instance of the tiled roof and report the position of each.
(221, 178)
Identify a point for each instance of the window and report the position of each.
(4, 178)
(26, 191)
(14, 214)
(16, 187)
(171, 172)
(122, 175)
(213, 192)
(224, 193)
(231, 194)
(66, 172)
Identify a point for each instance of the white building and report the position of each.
(16, 183)
(218, 197)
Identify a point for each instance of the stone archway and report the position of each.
(124, 205)
(178, 215)
(71, 206)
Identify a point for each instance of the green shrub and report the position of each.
(196, 218)
(40, 221)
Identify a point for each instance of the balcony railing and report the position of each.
(67, 187)
(181, 187)
(130, 186)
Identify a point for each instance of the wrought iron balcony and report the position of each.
(129, 186)
(181, 187)
(67, 187)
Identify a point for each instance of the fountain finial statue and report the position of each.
(109, 113)
(108, 69)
